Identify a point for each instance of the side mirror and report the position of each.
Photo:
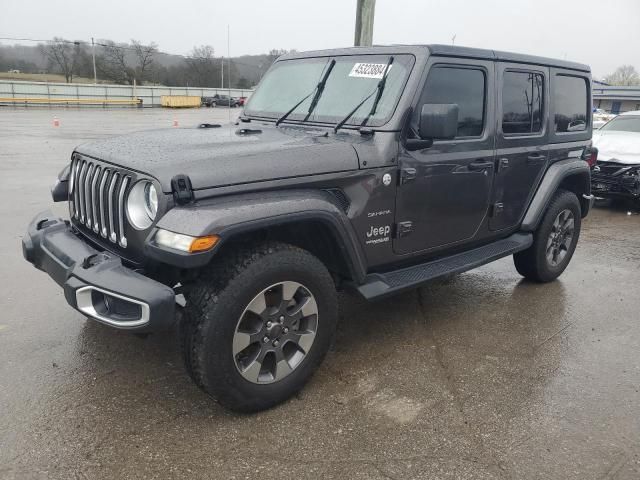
(438, 121)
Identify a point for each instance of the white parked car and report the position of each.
(600, 117)
(617, 171)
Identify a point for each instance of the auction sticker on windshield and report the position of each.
(368, 70)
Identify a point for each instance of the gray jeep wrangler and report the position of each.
(374, 169)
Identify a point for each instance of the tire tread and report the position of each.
(203, 298)
(531, 263)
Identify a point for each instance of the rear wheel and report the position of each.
(554, 241)
(258, 324)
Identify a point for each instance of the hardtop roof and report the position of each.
(445, 50)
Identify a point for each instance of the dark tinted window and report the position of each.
(462, 86)
(522, 95)
(570, 103)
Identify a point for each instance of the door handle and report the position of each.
(536, 157)
(479, 165)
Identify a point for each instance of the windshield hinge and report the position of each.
(182, 190)
(366, 132)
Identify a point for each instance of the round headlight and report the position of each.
(150, 200)
(142, 205)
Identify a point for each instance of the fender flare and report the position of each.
(237, 214)
(553, 178)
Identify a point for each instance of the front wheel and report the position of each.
(257, 325)
(554, 241)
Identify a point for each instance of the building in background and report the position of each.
(615, 99)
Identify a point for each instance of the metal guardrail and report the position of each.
(13, 92)
(70, 101)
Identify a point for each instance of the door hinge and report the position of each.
(407, 175)
(497, 209)
(403, 229)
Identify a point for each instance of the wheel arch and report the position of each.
(573, 175)
(311, 220)
(580, 184)
(313, 231)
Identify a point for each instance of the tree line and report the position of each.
(626, 75)
(126, 63)
(136, 62)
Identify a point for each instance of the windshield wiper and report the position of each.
(378, 92)
(320, 89)
(317, 90)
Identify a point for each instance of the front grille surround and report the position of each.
(97, 198)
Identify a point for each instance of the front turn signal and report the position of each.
(200, 244)
(185, 243)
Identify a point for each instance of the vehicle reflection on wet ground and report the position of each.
(480, 375)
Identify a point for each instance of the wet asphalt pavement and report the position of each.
(482, 375)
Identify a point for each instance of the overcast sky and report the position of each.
(604, 34)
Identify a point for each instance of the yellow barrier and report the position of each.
(180, 101)
(67, 101)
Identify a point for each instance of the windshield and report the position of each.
(623, 124)
(352, 79)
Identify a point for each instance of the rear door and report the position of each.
(444, 192)
(521, 140)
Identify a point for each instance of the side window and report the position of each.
(522, 101)
(462, 86)
(570, 103)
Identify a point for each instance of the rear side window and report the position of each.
(570, 104)
(462, 86)
(522, 101)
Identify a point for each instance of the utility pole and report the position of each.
(93, 54)
(222, 72)
(229, 72)
(365, 11)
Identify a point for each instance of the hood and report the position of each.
(617, 146)
(229, 155)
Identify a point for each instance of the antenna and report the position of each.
(453, 39)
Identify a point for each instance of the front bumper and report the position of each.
(97, 283)
(614, 180)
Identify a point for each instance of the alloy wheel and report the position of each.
(275, 332)
(560, 238)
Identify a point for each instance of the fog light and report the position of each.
(185, 243)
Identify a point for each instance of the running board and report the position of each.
(381, 284)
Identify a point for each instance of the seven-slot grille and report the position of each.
(97, 198)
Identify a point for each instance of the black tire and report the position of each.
(219, 299)
(533, 263)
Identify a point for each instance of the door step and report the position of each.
(381, 284)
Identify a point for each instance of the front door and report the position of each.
(445, 190)
(521, 141)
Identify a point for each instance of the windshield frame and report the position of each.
(410, 65)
